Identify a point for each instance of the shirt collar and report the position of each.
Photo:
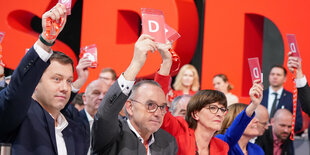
(279, 92)
(62, 123)
(90, 119)
(151, 141)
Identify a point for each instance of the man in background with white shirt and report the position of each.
(276, 97)
(92, 98)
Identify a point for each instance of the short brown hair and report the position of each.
(61, 58)
(112, 71)
(279, 66)
(232, 113)
(200, 100)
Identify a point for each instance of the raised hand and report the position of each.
(163, 49)
(294, 63)
(53, 22)
(82, 72)
(144, 44)
(256, 95)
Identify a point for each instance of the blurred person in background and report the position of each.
(221, 83)
(77, 102)
(179, 105)
(186, 82)
(108, 75)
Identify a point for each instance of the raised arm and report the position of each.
(15, 100)
(301, 82)
(170, 124)
(106, 128)
(236, 129)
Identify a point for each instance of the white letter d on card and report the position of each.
(156, 28)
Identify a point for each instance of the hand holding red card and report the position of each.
(153, 24)
(91, 53)
(291, 39)
(256, 72)
(52, 25)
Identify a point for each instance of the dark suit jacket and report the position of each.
(286, 101)
(86, 126)
(266, 142)
(304, 98)
(111, 135)
(28, 126)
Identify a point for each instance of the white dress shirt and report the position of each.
(62, 123)
(301, 82)
(125, 85)
(271, 97)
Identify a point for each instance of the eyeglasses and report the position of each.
(152, 107)
(214, 109)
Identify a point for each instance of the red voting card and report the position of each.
(256, 72)
(67, 4)
(171, 34)
(153, 24)
(1, 36)
(91, 53)
(291, 39)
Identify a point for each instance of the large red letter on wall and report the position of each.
(115, 25)
(233, 33)
(15, 22)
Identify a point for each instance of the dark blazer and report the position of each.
(266, 142)
(28, 126)
(286, 101)
(111, 135)
(304, 98)
(86, 126)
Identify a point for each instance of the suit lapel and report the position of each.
(69, 140)
(86, 126)
(282, 99)
(51, 128)
(265, 98)
(155, 149)
(85, 121)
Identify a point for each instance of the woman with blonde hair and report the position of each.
(220, 83)
(186, 82)
(237, 129)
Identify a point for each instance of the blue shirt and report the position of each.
(234, 133)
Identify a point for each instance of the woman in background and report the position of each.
(220, 83)
(186, 82)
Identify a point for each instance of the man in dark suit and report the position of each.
(276, 140)
(141, 133)
(92, 98)
(34, 117)
(276, 97)
(303, 89)
(301, 82)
